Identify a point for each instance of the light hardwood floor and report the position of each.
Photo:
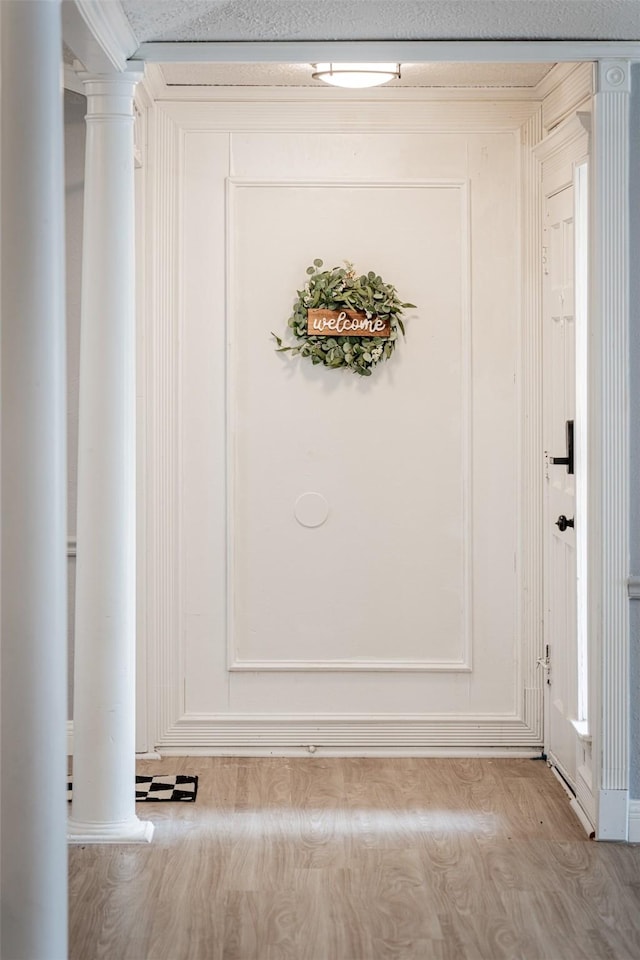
(358, 859)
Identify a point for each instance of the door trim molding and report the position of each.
(236, 664)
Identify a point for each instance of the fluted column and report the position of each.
(104, 674)
(609, 446)
(33, 859)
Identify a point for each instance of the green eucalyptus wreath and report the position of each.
(342, 289)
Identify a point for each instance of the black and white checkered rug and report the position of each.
(176, 787)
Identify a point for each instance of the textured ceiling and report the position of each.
(299, 74)
(281, 20)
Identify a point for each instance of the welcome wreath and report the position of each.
(345, 320)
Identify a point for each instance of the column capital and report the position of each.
(110, 95)
(613, 76)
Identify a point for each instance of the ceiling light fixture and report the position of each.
(356, 75)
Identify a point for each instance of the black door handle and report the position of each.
(562, 523)
(568, 460)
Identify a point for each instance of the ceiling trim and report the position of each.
(419, 51)
(159, 90)
(99, 34)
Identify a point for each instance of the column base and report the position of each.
(124, 831)
(613, 815)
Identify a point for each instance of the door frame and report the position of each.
(608, 627)
(559, 155)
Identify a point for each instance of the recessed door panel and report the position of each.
(385, 577)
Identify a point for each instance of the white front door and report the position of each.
(565, 336)
(560, 352)
(568, 743)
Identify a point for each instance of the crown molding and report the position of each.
(98, 33)
(553, 79)
(572, 130)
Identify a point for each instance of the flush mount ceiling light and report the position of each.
(356, 75)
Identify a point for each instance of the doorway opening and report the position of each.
(187, 107)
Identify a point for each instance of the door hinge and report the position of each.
(545, 663)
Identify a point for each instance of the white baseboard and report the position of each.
(371, 752)
(186, 749)
(348, 735)
(634, 821)
(582, 817)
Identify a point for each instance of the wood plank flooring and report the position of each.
(358, 859)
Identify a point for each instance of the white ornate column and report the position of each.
(33, 857)
(609, 447)
(104, 678)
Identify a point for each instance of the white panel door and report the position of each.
(560, 399)
(396, 622)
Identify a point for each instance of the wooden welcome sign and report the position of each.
(346, 323)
